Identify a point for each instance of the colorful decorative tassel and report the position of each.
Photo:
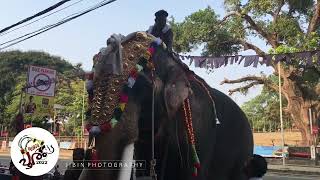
(151, 50)
(139, 68)
(105, 127)
(113, 122)
(134, 73)
(196, 161)
(194, 172)
(131, 82)
(124, 98)
(147, 55)
(122, 106)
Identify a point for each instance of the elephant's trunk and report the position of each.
(111, 145)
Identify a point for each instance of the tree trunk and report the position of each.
(298, 108)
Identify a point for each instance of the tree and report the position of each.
(263, 112)
(285, 26)
(72, 99)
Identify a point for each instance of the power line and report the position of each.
(36, 15)
(49, 27)
(2, 34)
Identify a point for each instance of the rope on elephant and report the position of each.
(192, 76)
(208, 92)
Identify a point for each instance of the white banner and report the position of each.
(41, 81)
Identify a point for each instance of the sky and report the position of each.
(78, 40)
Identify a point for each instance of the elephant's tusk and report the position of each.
(127, 157)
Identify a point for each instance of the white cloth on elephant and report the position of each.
(131, 82)
(111, 56)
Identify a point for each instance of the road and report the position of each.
(63, 163)
(290, 177)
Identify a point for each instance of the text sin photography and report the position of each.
(108, 164)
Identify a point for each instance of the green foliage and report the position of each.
(201, 28)
(300, 6)
(72, 99)
(263, 111)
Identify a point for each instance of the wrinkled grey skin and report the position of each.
(223, 149)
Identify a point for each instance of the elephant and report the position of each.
(223, 136)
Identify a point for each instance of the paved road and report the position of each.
(290, 177)
(64, 163)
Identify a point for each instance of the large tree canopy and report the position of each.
(284, 25)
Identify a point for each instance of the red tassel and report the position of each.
(197, 165)
(194, 174)
(151, 50)
(134, 73)
(124, 98)
(105, 127)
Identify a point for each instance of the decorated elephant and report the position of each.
(199, 132)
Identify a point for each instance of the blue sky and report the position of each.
(78, 40)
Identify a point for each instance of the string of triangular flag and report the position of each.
(305, 58)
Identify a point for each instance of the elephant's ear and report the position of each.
(176, 90)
